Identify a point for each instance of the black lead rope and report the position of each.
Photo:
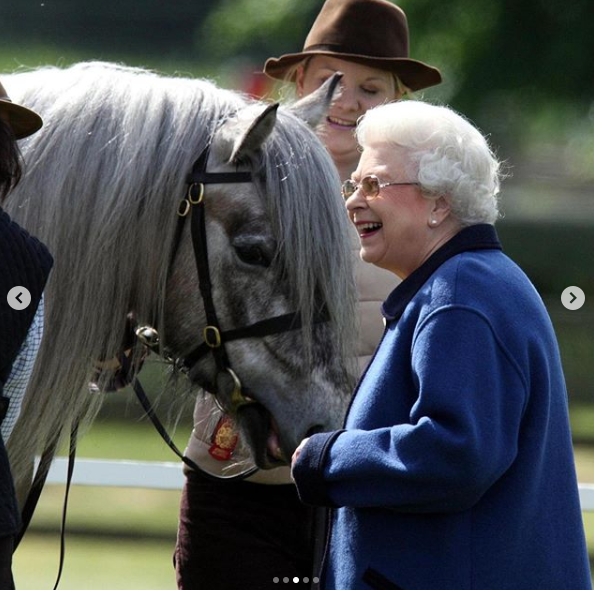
(71, 459)
(35, 491)
(37, 487)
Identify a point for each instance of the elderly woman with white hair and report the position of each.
(455, 469)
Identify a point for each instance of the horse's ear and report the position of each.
(314, 106)
(250, 142)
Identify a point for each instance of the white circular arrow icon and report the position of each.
(19, 298)
(573, 298)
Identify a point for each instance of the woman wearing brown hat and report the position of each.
(24, 263)
(237, 535)
(366, 40)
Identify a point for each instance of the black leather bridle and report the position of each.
(214, 337)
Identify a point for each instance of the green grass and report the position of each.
(582, 422)
(584, 461)
(589, 526)
(117, 538)
(95, 563)
(130, 440)
(125, 512)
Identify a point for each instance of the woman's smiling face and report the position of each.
(393, 227)
(363, 87)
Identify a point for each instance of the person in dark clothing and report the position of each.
(24, 262)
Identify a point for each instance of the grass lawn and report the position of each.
(95, 563)
(117, 538)
(582, 423)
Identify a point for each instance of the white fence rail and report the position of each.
(124, 474)
(167, 476)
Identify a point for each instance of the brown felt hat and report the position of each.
(24, 121)
(371, 32)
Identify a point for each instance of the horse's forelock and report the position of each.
(300, 178)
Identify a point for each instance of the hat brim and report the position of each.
(414, 74)
(23, 121)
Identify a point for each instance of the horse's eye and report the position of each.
(253, 255)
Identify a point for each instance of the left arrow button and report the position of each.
(19, 298)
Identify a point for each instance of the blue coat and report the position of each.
(455, 470)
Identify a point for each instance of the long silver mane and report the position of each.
(103, 181)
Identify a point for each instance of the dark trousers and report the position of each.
(6, 546)
(236, 535)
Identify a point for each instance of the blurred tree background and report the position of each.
(520, 70)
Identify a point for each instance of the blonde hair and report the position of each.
(402, 90)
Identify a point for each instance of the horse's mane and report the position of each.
(102, 184)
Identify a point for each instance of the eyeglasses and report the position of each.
(370, 186)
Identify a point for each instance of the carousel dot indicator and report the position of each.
(286, 580)
(295, 580)
(275, 580)
(316, 580)
(305, 580)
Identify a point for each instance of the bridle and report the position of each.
(192, 205)
(214, 338)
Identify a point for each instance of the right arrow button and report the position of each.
(573, 298)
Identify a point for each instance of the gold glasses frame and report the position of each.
(370, 185)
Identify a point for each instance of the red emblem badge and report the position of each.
(224, 439)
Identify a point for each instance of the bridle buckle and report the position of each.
(212, 336)
(191, 193)
(183, 208)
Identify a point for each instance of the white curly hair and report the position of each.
(450, 156)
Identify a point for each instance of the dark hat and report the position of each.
(371, 32)
(24, 121)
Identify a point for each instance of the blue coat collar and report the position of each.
(474, 237)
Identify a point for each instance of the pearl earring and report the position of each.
(433, 221)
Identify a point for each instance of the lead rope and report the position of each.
(150, 412)
(71, 458)
(37, 487)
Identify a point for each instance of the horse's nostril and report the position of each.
(314, 430)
